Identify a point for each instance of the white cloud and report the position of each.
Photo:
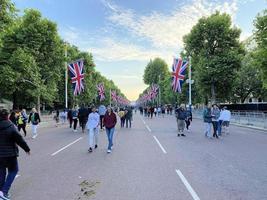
(167, 31)
(114, 50)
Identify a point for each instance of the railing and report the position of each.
(253, 119)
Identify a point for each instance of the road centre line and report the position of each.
(162, 148)
(148, 128)
(187, 185)
(65, 147)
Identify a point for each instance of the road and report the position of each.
(149, 162)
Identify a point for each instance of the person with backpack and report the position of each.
(122, 117)
(13, 118)
(180, 116)
(34, 119)
(22, 121)
(92, 125)
(10, 139)
(110, 121)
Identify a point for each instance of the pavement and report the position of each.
(149, 162)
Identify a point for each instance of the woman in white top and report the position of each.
(92, 127)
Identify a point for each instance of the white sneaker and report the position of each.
(75, 131)
(109, 151)
(33, 137)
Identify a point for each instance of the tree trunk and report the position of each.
(39, 105)
(213, 94)
(15, 102)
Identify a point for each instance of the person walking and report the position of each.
(215, 113)
(110, 121)
(70, 118)
(13, 118)
(129, 117)
(151, 111)
(180, 116)
(92, 125)
(122, 117)
(22, 121)
(208, 121)
(34, 119)
(155, 111)
(188, 119)
(83, 117)
(102, 111)
(9, 139)
(75, 114)
(225, 117)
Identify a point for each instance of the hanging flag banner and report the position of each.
(101, 91)
(178, 74)
(76, 72)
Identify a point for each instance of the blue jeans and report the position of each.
(6, 180)
(110, 133)
(220, 128)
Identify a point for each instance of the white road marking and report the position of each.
(147, 127)
(143, 120)
(164, 151)
(65, 147)
(187, 185)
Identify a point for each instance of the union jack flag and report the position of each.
(76, 72)
(178, 74)
(154, 90)
(101, 91)
(114, 96)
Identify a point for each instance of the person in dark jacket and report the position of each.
(83, 117)
(128, 117)
(181, 117)
(110, 121)
(34, 119)
(9, 139)
(13, 118)
(207, 116)
(188, 119)
(70, 117)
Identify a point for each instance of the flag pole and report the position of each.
(66, 77)
(190, 84)
(110, 97)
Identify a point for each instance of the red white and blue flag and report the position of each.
(154, 90)
(101, 91)
(76, 72)
(178, 73)
(114, 96)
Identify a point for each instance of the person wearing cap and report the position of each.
(110, 121)
(92, 125)
(10, 139)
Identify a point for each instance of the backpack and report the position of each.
(20, 120)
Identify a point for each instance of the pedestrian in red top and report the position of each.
(110, 121)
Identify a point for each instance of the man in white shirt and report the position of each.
(92, 127)
(225, 117)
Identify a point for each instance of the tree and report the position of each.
(38, 38)
(154, 69)
(216, 55)
(248, 81)
(7, 16)
(261, 38)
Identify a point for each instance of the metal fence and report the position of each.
(253, 119)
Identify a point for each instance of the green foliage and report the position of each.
(32, 61)
(154, 69)
(216, 54)
(261, 38)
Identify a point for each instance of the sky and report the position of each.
(123, 35)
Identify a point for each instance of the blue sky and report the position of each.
(123, 35)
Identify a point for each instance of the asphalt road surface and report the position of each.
(149, 162)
